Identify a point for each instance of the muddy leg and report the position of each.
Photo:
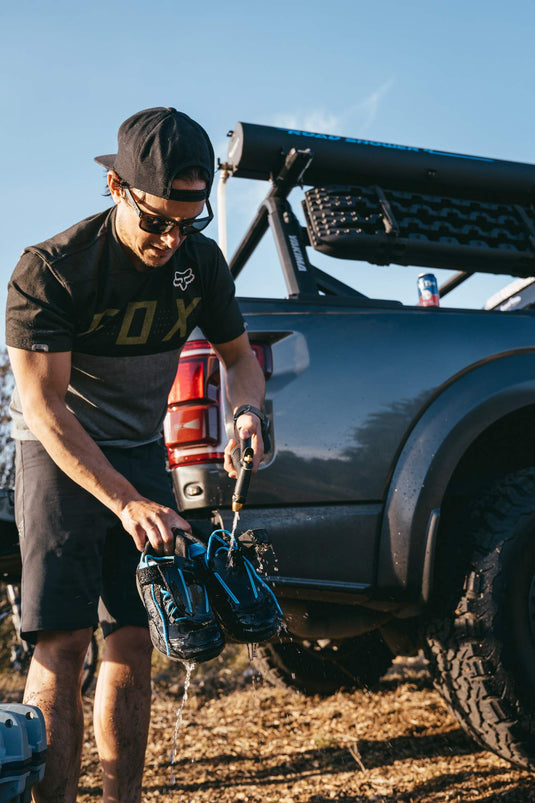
(53, 684)
(122, 712)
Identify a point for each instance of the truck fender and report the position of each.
(457, 414)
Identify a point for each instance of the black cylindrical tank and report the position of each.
(258, 151)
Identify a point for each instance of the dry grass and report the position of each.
(241, 740)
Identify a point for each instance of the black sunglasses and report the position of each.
(155, 224)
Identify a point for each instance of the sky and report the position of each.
(454, 76)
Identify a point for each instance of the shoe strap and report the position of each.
(154, 574)
(149, 574)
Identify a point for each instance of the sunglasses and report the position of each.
(155, 224)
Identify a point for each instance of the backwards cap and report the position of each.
(154, 146)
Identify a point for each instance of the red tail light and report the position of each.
(197, 378)
(264, 356)
(192, 425)
(192, 430)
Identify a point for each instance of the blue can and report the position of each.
(428, 290)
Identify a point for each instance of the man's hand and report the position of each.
(148, 521)
(245, 385)
(247, 426)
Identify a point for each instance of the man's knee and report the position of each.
(130, 645)
(62, 650)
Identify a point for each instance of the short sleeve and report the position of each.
(39, 313)
(221, 319)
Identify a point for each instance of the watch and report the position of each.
(264, 421)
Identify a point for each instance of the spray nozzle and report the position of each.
(242, 459)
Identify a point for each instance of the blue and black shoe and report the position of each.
(245, 605)
(182, 624)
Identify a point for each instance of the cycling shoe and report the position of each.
(245, 605)
(182, 624)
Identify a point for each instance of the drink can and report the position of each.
(428, 290)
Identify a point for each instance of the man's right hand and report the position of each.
(148, 521)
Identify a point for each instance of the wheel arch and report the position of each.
(454, 432)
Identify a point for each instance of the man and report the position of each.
(96, 317)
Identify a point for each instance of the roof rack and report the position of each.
(384, 204)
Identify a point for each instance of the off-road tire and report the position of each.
(321, 668)
(480, 640)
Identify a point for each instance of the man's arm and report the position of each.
(245, 385)
(42, 380)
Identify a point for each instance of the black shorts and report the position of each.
(79, 564)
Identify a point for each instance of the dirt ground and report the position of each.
(243, 740)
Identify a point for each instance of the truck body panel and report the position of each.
(373, 404)
(352, 389)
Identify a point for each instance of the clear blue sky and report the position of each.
(449, 75)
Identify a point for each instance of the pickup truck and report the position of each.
(398, 490)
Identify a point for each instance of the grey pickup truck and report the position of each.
(398, 490)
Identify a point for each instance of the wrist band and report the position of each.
(264, 421)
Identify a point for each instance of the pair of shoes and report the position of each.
(178, 594)
(182, 623)
(245, 605)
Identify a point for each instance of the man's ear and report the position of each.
(114, 186)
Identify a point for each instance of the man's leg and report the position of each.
(122, 712)
(53, 684)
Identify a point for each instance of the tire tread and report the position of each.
(463, 642)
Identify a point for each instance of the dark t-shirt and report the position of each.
(79, 292)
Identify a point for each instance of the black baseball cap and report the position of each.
(156, 145)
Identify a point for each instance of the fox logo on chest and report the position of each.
(182, 278)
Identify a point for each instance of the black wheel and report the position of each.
(90, 664)
(480, 641)
(323, 667)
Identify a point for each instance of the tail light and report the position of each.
(192, 427)
(264, 356)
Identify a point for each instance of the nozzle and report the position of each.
(244, 477)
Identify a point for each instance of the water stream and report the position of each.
(179, 713)
(254, 673)
(251, 652)
(189, 667)
(233, 537)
